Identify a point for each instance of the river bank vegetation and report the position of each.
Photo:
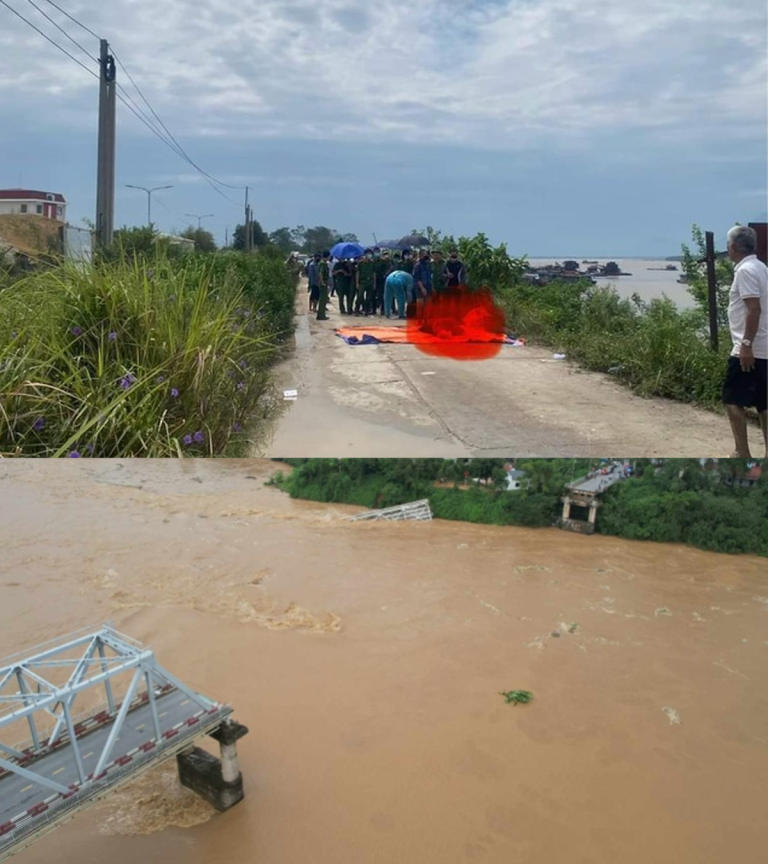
(143, 352)
(652, 347)
(674, 500)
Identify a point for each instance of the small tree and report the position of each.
(204, 240)
(258, 237)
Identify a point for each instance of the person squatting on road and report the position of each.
(398, 287)
(746, 378)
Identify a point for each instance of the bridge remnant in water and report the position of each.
(416, 510)
(133, 715)
(585, 493)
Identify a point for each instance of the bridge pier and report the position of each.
(218, 781)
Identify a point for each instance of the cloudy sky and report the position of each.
(562, 127)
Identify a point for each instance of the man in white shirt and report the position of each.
(746, 381)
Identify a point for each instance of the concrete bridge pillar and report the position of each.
(218, 781)
(592, 512)
(566, 508)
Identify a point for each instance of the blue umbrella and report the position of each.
(347, 250)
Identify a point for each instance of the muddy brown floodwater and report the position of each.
(367, 660)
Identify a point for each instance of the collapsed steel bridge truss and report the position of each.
(41, 689)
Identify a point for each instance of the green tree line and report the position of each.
(677, 500)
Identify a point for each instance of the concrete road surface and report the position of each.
(392, 400)
(17, 793)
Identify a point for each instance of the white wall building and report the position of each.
(30, 202)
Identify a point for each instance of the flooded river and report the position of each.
(367, 661)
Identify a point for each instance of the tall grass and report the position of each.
(151, 357)
(653, 347)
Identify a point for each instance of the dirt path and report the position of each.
(392, 400)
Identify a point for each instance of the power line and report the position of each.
(170, 142)
(71, 18)
(62, 30)
(55, 44)
(170, 134)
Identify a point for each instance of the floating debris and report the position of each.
(674, 717)
(662, 611)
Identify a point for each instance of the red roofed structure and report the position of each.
(50, 205)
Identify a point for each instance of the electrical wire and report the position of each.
(62, 30)
(170, 135)
(55, 44)
(127, 100)
(71, 18)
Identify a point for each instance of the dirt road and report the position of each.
(392, 400)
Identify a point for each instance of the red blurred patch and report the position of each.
(466, 325)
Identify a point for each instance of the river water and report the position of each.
(648, 283)
(367, 661)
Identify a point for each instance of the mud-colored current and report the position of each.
(367, 661)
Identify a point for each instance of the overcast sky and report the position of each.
(562, 127)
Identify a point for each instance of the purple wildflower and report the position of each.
(14, 335)
(77, 331)
(112, 336)
(174, 392)
(73, 454)
(243, 364)
(160, 379)
(236, 427)
(127, 381)
(198, 436)
(187, 439)
(240, 386)
(39, 424)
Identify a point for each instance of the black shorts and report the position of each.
(314, 292)
(747, 389)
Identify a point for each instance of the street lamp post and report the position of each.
(199, 218)
(149, 197)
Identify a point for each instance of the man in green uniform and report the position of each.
(440, 274)
(324, 274)
(342, 280)
(366, 284)
(382, 268)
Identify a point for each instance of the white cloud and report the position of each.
(507, 74)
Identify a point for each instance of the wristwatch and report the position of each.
(747, 342)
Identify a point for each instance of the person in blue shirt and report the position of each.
(313, 279)
(422, 276)
(397, 287)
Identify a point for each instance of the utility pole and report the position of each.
(199, 218)
(149, 198)
(105, 181)
(247, 234)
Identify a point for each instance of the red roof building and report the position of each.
(50, 205)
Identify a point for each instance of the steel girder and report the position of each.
(92, 668)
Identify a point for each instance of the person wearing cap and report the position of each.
(366, 284)
(313, 279)
(439, 272)
(324, 272)
(457, 271)
(382, 267)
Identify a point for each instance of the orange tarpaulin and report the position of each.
(411, 336)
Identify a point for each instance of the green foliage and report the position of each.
(204, 240)
(697, 277)
(259, 237)
(678, 501)
(516, 696)
(141, 356)
(653, 347)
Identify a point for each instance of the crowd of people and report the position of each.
(380, 283)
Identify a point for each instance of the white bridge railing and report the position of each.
(416, 510)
